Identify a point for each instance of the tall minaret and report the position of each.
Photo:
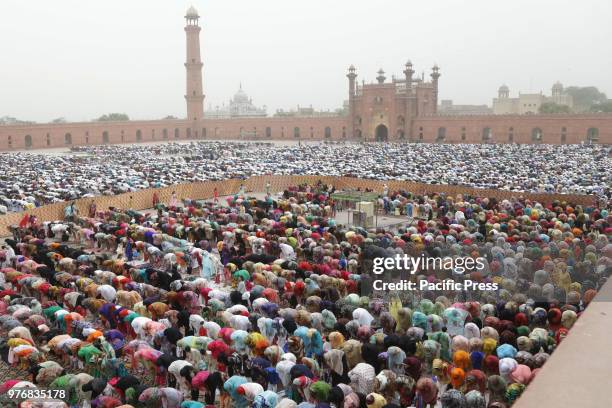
(435, 74)
(351, 77)
(193, 65)
(410, 101)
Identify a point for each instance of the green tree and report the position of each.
(585, 97)
(605, 107)
(551, 107)
(9, 120)
(170, 117)
(113, 117)
(59, 120)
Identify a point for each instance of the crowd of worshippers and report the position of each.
(30, 180)
(259, 304)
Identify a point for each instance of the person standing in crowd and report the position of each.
(173, 201)
(92, 209)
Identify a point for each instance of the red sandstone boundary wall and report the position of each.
(49, 135)
(554, 129)
(43, 136)
(143, 199)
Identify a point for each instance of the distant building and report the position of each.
(385, 110)
(240, 106)
(528, 103)
(308, 112)
(448, 108)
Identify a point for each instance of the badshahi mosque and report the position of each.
(402, 109)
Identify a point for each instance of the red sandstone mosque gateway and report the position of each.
(403, 110)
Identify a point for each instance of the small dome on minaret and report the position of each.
(557, 89)
(503, 91)
(192, 13)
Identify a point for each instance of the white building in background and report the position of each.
(528, 103)
(310, 112)
(240, 106)
(447, 107)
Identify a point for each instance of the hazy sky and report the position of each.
(80, 59)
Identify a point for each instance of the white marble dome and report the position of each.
(241, 96)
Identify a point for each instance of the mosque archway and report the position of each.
(382, 133)
(28, 141)
(592, 135)
(105, 138)
(68, 139)
(487, 135)
(441, 137)
(536, 135)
